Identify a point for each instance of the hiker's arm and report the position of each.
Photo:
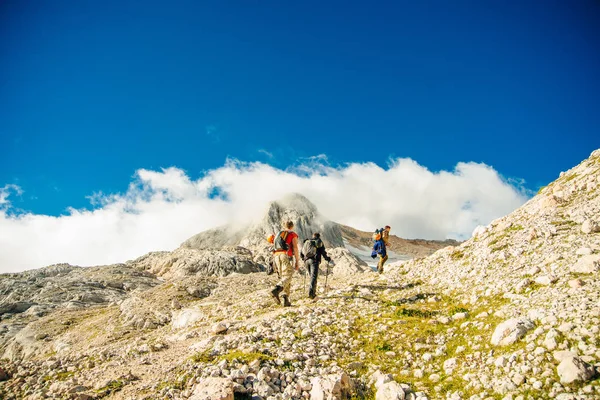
(296, 252)
(324, 253)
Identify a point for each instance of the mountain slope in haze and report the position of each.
(413, 248)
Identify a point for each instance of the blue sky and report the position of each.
(91, 92)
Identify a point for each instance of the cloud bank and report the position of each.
(163, 208)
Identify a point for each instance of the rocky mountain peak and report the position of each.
(292, 207)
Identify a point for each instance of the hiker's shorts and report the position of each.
(283, 263)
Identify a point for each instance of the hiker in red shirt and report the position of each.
(286, 249)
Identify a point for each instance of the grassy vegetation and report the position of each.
(179, 384)
(61, 376)
(568, 178)
(564, 223)
(514, 228)
(112, 387)
(245, 358)
(415, 330)
(457, 255)
(499, 248)
(234, 355)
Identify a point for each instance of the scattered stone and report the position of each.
(213, 389)
(590, 226)
(331, 387)
(508, 332)
(574, 369)
(219, 328)
(576, 283)
(389, 391)
(587, 264)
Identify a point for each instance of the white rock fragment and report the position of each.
(587, 264)
(574, 369)
(508, 332)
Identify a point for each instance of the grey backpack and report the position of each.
(309, 248)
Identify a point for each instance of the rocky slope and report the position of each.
(512, 313)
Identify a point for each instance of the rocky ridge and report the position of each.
(512, 313)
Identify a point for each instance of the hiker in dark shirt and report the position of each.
(312, 261)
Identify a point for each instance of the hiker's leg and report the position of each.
(287, 271)
(381, 262)
(278, 265)
(314, 273)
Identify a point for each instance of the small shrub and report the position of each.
(385, 346)
(202, 357)
(456, 310)
(415, 313)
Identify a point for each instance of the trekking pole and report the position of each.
(304, 284)
(326, 276)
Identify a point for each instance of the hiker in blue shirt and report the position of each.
(380, 247)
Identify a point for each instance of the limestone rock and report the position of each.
(590, 226)
(390, 391)
(574, 369)
(213, 389)
(219, 328)
(186, 317)
(587, 264)
(508, 332)
(331, 387)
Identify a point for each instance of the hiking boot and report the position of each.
(286, 301)
(275, 293)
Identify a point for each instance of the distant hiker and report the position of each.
(381, 239)
(271, 262)
(312, 251)
(286, 249)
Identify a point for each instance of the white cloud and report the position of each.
(163, 208)
(5, 191)
(266, 153)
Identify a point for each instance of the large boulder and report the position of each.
(574, 369)
(508, 332)
(587, 264)
(213, 389)
(390, 391)
(345, 262)
(331, 387)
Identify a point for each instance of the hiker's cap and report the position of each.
(388, 227)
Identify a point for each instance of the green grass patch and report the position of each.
(568, 178)
(202, 357)
(456, 310)
(499, 248)
(385, 346)
(415, 313)
(61, 376)
(564, 222)
(112, 387)
(246, 358)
